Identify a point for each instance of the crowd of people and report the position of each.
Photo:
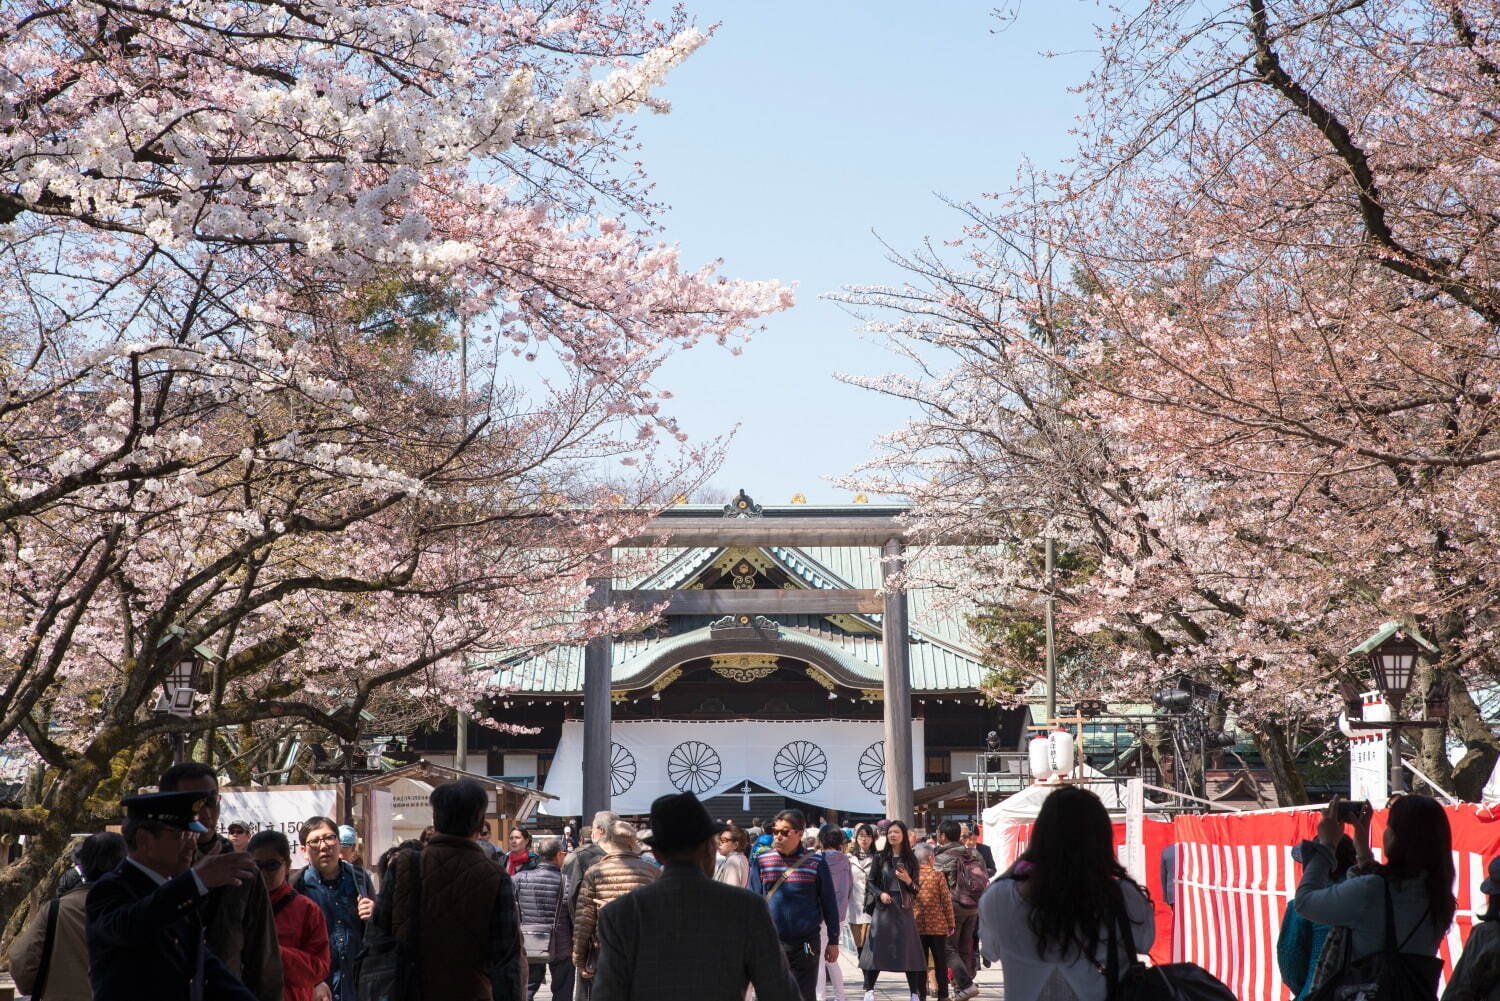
(694, 908)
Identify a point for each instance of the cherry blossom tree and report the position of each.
(211, 442)
(1302, 286)
(1277, 249)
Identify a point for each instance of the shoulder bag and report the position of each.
(1387, 975)
(536, 937)
(1169, 982)
(38, 989)
(388, 966)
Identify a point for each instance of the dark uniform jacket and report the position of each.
(146, 942)
(688, 938)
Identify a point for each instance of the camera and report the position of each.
(1351, 811)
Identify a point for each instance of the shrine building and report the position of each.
(767, 682)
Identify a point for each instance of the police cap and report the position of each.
(174, 809)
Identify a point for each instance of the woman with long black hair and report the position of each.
(890, 893)
(1417, 876)
(1049, 919)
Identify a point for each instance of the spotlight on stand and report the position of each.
(1218, 740)
(1173, 700)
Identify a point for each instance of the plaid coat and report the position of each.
(687, 938)
(934, 903)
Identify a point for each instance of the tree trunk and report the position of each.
(1272, 741)
(1468, 776)
(85, 797)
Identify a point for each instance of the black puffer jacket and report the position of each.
(539, 893)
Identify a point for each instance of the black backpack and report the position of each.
(1169, 982)
(388, 967)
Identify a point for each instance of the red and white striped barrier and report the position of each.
(1235, 876)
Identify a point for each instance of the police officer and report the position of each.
(145, 932)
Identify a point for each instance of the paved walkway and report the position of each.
(890, 987)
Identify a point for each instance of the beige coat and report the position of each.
(68, 973)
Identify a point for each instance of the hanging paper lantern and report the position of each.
(1344, 727)
(1060, 748)
(1037, 752)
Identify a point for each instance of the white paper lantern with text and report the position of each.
(1039, 754)
(1060, 752)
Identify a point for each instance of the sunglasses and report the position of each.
(269, 864)
(782, 832)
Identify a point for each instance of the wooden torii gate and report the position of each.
(877, 527)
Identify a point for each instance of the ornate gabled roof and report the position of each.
(944, 653)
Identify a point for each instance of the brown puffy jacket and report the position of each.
(613, 876)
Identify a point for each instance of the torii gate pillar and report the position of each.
(597, 711)
(895, 656)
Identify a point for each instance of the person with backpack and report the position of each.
(300, 929)
(1050, 919)
(967, 878)
(1398, 914)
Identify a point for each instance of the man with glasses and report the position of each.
(804, 904)
(237, 920)
(344, 893)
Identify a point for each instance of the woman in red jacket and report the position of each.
(300, 928)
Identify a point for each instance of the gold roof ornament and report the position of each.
(743, 667)
(799, 498)
(679, 499)
(861, 499)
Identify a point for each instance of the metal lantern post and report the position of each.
(1395, 651)
(179, 695)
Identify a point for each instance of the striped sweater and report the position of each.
(804, 900)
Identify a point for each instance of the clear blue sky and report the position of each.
(799, 132)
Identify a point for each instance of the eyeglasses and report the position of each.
(327, 839)
(269, 864)
(782, 832)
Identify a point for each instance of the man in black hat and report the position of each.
(706, 941)
(144, 929)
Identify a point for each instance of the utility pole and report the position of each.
(1051, 627)
(460, 720)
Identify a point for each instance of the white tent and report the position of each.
(1004, 820)
(1491, 791)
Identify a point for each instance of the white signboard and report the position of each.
(838, 764)
(281, 809)
(1369, 756)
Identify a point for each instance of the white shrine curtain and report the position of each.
(839, 764)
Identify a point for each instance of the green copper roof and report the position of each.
(944, 653)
